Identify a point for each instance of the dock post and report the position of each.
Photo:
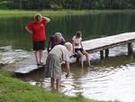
(130, 49)
(101, 54)
(106, 53)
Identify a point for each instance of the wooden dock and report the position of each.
(104, 44)
(100, 44)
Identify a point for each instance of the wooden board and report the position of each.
(27, 69)
(98, 44)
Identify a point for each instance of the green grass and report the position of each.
(12, 13)
(14, 90)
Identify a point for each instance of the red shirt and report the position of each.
(38, 29)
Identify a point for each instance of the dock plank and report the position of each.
(98, 44)
(27, 69)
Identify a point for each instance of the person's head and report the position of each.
(68, 45)
(38, 17)
(58, 36)
(78, 34)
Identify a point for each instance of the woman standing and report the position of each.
(37, 28)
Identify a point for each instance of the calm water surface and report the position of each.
(112, 79)
(12, 30)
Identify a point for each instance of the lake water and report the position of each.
(112, 80)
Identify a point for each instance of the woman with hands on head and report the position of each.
(37, 28)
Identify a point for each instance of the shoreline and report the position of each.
(53, 13)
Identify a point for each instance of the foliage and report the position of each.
(68, 4)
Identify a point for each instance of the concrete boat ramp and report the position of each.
(94, 45)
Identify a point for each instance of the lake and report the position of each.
(91, 25)
(113, 78)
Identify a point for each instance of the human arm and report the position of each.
(81, 42)
(73, 47)
(66, 59)
(81, 45)
(68, 68)
(47, 19)
(73, 44)
(28, 30)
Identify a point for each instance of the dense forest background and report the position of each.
(67, 4)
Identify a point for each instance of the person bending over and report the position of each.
(54, 60)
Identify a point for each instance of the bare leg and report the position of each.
(87, 57)
(57, 83)
(81, 57)
(81, 62)
(36, 56)
(52, 82)
(40, 56)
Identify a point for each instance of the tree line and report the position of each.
(67, 4)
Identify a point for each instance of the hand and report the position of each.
(67, 75)
(30, 32)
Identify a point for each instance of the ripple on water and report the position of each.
(118, 84)
(103, 84)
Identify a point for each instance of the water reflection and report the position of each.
(117, 84)
(104, 83)
(12, 30)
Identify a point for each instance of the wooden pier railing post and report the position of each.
(101, 54)
(104, 44)
(106, 53)
(130, 49)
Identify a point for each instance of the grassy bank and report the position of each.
(10, 13)
(14, 90)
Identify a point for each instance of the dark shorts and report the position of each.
(38, 45)
(78, 49)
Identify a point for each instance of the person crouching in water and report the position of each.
(54, 60)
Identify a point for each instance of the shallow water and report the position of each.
(104, 83)
(111, 79)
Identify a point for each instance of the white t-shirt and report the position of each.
(61, 52)
(77, 42)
